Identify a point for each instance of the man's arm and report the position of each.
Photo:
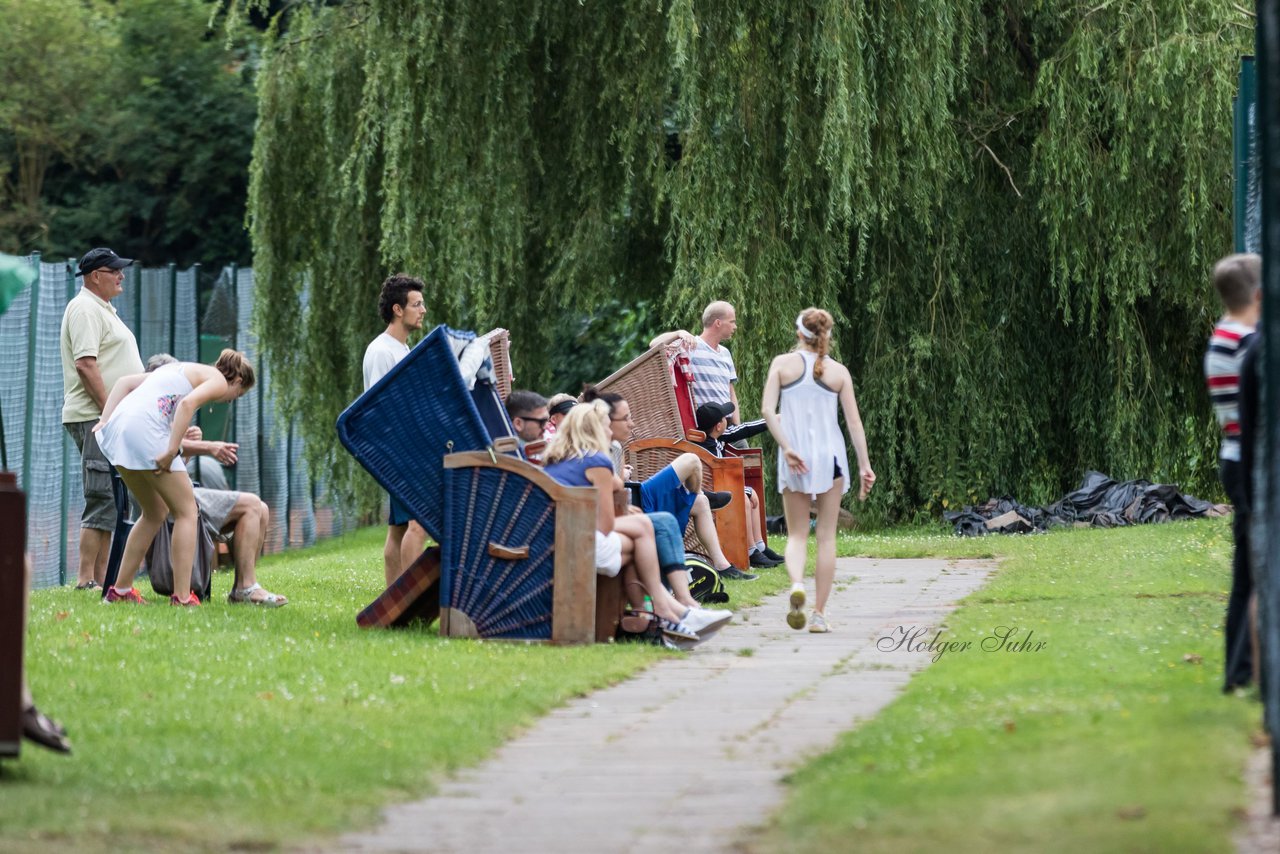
(91, 378)
(193, 444)
(734, 417)
(688, 339)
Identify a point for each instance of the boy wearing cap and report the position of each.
(97, 349)
(713, 420)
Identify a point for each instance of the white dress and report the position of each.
(813, 431)
(139, 429)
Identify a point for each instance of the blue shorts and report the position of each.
(664, 493)
(400, 514)
(670, 542)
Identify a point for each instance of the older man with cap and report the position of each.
(97, 349)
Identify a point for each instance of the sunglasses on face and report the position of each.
(541, 422)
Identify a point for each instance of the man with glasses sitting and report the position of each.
(529, 415)
(97, 349)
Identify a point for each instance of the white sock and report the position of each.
(797, 586)
(124, 590)
(759, 545)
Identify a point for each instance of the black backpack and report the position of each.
(705, 584)
(160, 570)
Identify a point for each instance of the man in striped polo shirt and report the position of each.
(1238, 280)
(714, 375)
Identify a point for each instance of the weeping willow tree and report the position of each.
(1010, 207)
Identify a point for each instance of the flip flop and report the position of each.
(44, 731)
(245, 597)
(91, 584)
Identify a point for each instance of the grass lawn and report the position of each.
(1114, 737)
(230, 726)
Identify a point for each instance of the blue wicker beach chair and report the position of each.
(517, 549)
(402, 427)
(518, 556)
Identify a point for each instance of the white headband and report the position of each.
(800, 327)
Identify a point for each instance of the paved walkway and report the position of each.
(700, 743)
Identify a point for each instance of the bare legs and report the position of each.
(161, 495)
(689, 469)
(415, 540)
(639, 548)
(752, 510)
(705, 526)
(403, 546)
(95, 548)
(795, 506)
(825, 567)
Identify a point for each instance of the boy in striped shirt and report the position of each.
(1238, 280)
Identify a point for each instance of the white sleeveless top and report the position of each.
(139, 428)
(809, 420)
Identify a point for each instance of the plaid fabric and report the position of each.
(414, 595)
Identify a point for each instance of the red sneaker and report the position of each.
(191, 601)
(114, 595)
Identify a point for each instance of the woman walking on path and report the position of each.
(141, 433)
(811, 454)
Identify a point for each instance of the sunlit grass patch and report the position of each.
(1112, 737)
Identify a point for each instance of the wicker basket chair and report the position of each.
(518, 559)
(646, 384)
(405, 430)
(401, 429)
(752, 458)
(649, 456)
(500, 354)
(657, 386)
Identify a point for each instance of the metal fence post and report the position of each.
(65, 487)
(33, 323)
(173, 309)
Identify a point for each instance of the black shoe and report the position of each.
(774, 556)
(44, 731)
(760, 561)
(732, 573)
(717, 499)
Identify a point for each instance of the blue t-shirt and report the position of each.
(573, 470)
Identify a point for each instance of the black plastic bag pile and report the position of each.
(1099, 502)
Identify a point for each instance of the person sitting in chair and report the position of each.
(676, 489)
(578, 456)
(528, 413)
(713, 419)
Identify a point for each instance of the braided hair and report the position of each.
(817, 322)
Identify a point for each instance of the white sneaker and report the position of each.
(818, 623)
(795, 616)
(705, 622)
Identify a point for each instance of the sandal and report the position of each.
(267, 599)
(44, 730)
(91, 584)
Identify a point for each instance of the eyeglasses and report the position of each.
(623, 418)
(541, 422)
(110, 272)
